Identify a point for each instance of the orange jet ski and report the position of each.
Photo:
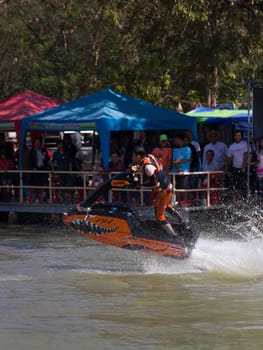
(122, 226)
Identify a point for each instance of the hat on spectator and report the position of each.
(163, 137)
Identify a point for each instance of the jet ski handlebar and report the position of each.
(123, 180)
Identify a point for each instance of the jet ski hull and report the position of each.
(121, 227)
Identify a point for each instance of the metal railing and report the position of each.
(18, 186)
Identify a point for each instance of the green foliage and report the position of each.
(194, 50)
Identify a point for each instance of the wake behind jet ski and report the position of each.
(122, 226)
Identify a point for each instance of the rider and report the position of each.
(160, 179)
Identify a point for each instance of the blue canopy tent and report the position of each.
(107, 111)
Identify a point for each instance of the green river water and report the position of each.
(59, 290)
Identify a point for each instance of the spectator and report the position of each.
(73, 150)
(180, 165)
(6, 147)
(143, 142)
(211, 165)
(237, 156)
(5, 177)
(39, 160)
(61, 161)
(194, 166)
(116, 164)
(219, 148)
(75, 160)
(97, 180)
(99, 177)
(126, 148)
(163, 153)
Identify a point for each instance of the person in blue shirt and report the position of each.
(181, 164)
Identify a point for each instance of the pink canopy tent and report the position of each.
(13, 109)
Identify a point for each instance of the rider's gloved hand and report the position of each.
(135, 167)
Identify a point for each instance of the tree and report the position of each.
(188, 50)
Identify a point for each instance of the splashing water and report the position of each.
(228, 257)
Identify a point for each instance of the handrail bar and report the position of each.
(85, 183)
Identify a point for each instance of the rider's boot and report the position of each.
(174, 213)
(169, 229)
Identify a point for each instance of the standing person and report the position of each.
(237, 157)
(163, 153)
(219, 148)
(211, 165)
(156, 176)
(260, 170)
(61, 161)
(5, 177)
(180, 165)
(6, 147)
(38, 160)
(143, 141)
(116, 164)
(73, 150)
(75, 160)
(196, 166)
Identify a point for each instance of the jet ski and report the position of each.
(121, 225)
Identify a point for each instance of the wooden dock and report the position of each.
(13, 210)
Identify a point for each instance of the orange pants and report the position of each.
(162, 200)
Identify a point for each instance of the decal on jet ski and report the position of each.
(87, 226)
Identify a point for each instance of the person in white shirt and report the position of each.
(237, 157)
(219, 148)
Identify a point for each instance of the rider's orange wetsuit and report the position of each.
(160, 179)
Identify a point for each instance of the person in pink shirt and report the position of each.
(163, 153)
